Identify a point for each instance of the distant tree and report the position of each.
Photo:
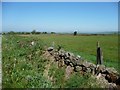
(38, 32)
(3, 33)
(52, 32)
(33, 32)
(11, 32)
(44, 32)
(18, 32)
(27, 33)
(22, 33)
(75, 33)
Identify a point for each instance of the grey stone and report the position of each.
(67, 55)
(72, 57)
(60, 63)
(112, 70)
(86, 64)
(77, 68)
(67, 61)
(71, 65)
(92, 67)
(89, 70)
(57, 58)
(50, 49)
(84, 68)
(73, 61)
(68, 72)
(78, 57)
(51, 52)
(100, 69)
(61, 53)
(71, 54)
(112, 86)
(79, 62)
(111, 77)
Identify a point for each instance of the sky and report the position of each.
(60, 0)
(60, 16)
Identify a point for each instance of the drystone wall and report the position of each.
(79, 64)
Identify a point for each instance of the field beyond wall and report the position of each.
(85, 45)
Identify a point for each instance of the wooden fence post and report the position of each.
(99, 54)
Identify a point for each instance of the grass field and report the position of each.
(23, 65)
(86, 46)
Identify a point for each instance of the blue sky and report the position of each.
(60, 17)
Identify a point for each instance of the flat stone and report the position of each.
(100, 68)
(74, 62)
(77, 68)
(71, 54)
(111, 77)
(67, 61)
(68, 71)
(89, 70)
(79, 62)
(50, 49)
(84, 68)
(78, 57)
(71, 64)
(86, 64)
(112, 70)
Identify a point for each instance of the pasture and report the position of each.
(86, 46)
(23, 64)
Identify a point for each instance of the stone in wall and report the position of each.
(68, 72)
(50, 49)
(67, 61)
(77, 68)
(100, 69)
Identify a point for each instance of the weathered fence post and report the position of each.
(99, 54)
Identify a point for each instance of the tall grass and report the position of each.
(23, 65)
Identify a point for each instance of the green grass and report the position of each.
(86, 46)
(79, 81)
(19, 70)
(58, 75)
(23, 65)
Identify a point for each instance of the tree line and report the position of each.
(33, 32)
